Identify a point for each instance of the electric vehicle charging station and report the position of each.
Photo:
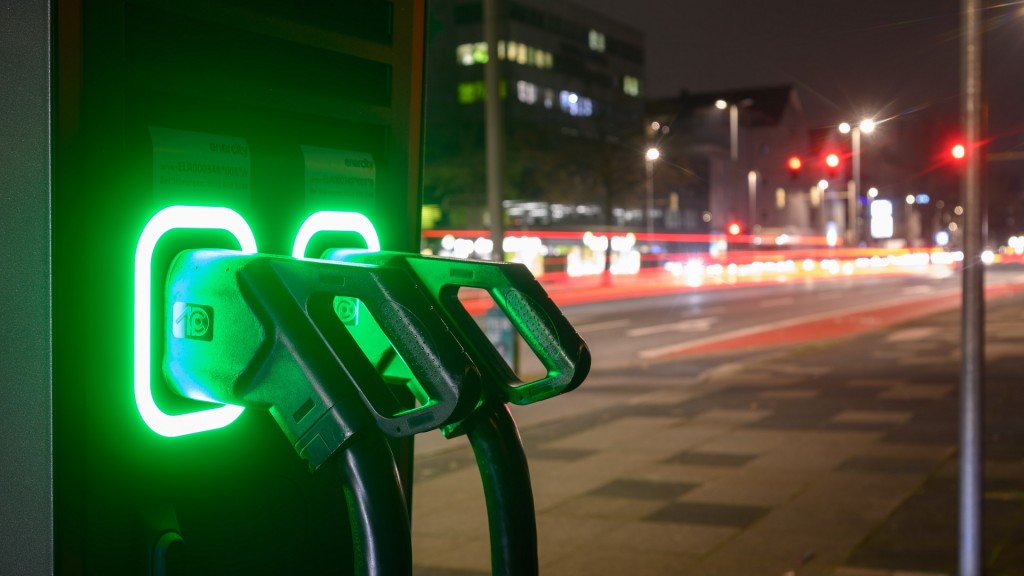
(155, 128)
(274, 110)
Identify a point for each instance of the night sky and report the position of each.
(879, 58)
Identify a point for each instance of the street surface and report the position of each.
(656, 328)
(828, 452)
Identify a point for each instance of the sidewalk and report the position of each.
(832, 460)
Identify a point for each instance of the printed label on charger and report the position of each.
(192, 321)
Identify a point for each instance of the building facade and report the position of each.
(572, 92)
(724, 162)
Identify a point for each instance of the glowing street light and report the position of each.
(652, 155)
(866, 126)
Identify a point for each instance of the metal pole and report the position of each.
(734, 155)
(495, 122)
(973, 309)
(650, 197)
(752, 198)
(734, 132)
(855, 192)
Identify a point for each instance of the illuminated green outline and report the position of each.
(328, 221)
(170, 218)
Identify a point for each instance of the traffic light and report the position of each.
(794, 164)
(832, 163)
(734, 229)
(957, 151)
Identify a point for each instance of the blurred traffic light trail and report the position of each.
(819, 327)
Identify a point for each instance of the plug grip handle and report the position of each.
(260, 330)
(524, 301)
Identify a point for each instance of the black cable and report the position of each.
(506, 479)
(381, 534)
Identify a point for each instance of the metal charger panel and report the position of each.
(274, 110)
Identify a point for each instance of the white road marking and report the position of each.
(909, 334)
(690, 325)
(652, 353)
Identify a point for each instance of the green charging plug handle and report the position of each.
(524, 301)
(261, 331)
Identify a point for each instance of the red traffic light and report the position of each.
(734, 229)
(832, 160)
(958, 151)
(794, 163)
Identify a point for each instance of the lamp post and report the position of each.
(866, 126)
(652, 155)
(734, 127)
(752, 198)
(734, 152)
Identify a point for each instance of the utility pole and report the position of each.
(973, 305)
(495, 123)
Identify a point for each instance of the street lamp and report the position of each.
(734, 152)
(734, 127)
(652, 155)
(866, 126)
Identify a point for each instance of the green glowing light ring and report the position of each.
(328, 221)
(171, 218)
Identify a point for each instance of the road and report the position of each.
(636, 332)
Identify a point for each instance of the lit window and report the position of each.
(471, 92)
(526, 92)
(476, 53)
(575, 105)
(480, 52)
(631, 85)
(470, 54)
(596, 41)
(464, 54)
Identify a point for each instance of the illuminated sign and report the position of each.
(881, 219)
(172, 218)
(327, 221)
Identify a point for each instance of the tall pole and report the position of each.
(734, 132)
(973, 309)
(734, 155)
(650, 196)
(495, 122)
(854, 194)
(752, 199)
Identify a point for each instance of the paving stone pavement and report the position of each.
(836, 459)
